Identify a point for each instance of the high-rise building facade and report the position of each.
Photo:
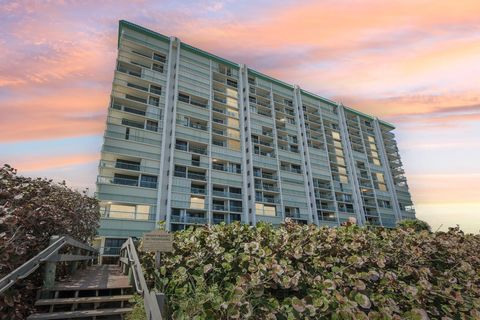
(192, 138)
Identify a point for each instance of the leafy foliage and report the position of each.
(138, 312)
(417, 225)
(31, 211)
(308, 272)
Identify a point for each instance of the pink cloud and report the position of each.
(40, 163)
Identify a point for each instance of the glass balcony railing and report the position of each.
(196, 176)
(236, 209)
(198, 190)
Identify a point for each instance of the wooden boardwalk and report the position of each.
(95, 278)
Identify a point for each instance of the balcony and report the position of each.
(267, 199)
(218, 220)
(137, 74)
(192, 149)
(186, 219)
(296, 215)
(120, 181)
(225, 194)
(219, 207)
(136, 86)
(195, 190)
(196, 176)
(236, 209)
(135, 98)
(266, 187)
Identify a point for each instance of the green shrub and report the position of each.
(307, 272)
(138, 312)
(31, 211)
(417, 225)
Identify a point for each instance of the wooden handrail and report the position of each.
(152, 301)
(49, 254)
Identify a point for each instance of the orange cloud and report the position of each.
(65, 113)
(439, 188)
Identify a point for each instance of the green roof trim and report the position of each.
(314, 96)
(200, 52)
(207, 55)
(135, 27)
(268, 78)
(388, 124)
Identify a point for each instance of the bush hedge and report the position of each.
(307, 272)
(31, 211)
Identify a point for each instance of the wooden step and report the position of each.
(78, 314)
(48, 302)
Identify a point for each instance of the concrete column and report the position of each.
(387, 169)
(304, 152)
(351, 168)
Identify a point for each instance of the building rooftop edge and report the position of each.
(161, 37)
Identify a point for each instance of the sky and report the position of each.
(413, 63)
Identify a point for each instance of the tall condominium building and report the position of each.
(192, 138)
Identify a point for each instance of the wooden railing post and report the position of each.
(49, 273)
(74, 264)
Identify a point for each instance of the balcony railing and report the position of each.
(115, 214)
(124, 108)
(219, 207)
(226, 194)
(121, 181)
(198, 190)
(196, 176)
(267, 199)
(191, 149)
(236, 209)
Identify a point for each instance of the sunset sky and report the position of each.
(414, 63)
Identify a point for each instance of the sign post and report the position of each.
(158, 241)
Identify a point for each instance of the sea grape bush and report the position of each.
(307, 272)
(32, 210)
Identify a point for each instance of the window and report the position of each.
(121, 211)
(152, 125)
(127, 164)
(157, 67)
(197, 203)
(124, 179)
(131, 123)
(265, 210)
(181, 145)
(235, 168)
(183, 97)
(147, 181)
(112, 245)
(156, 89)
(296, 168)
(159, 57)
(180, 171)
(154, 101)
(220, 143)
(232, 83)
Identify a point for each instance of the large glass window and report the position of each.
(197, 203)
(147, 181)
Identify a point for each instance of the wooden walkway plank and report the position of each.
(95, 278)
(99, 299)
(78, 314)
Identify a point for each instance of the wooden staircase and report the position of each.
(97, 292)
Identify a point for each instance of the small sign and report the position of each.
(158, 241)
